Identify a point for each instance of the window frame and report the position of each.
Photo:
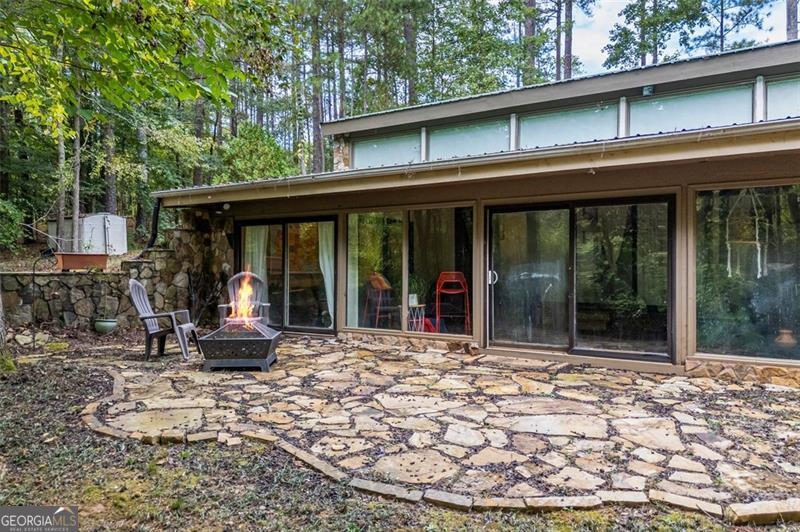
(615, 103)
(685, 92)
(476, 265)
(284, 222)
(777, 79)
(571, 205)
(405, 133)
(403, 220)
(692, 352)
(431, 130)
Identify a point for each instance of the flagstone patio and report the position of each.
(481, 431)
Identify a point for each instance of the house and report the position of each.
(645, 219)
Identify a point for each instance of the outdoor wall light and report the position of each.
(221, 209)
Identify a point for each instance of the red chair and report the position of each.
(452, 284)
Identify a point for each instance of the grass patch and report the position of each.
(7, 364)
(57, 346)
(680, 521)
(582, 520)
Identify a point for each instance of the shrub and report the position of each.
(10, 225)
(253, 155)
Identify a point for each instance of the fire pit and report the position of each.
(243, 340)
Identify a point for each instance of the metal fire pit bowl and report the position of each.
(240, 343)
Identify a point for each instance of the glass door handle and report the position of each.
(493, 277)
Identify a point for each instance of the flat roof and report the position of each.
(726, 67)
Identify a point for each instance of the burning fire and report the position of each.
(243, 307)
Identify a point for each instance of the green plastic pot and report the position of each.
(105, 326)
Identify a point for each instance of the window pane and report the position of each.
(387, 151)
(262, 254)
(440, 270)
(719, 107)
(374, 270)
(622, 271)
(783, 99)
(530, 253)
(469, 139)
(566, 127)
(748, 271)
(311, 274)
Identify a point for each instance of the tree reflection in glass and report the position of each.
(748, 271)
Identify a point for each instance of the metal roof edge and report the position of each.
(508, 156)
(352, 124)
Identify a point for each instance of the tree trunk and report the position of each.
(218, 127)
(5, 151)
(642, 33)
(61, 230)
(568, 39)
(316, 97)
(141, 140)
(791, 20)
(259, 109)
(234, 116)
(655, 35)
(111, 176)
(530, 70)
(3, 333)
(24, 172)
(76, 185)
(199, 127)
(340, 43)
(365, 75)
(410, 37)
(559, 63)
(721, 25)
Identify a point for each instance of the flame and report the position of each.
(243, 308)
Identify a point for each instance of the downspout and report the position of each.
(153, 228)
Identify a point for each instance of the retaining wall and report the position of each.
(188, 274)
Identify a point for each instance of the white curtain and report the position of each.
(254, 258)
(327, 252)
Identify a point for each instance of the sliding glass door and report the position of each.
(589, 278)
(529, 277)
(622, 277)
(296, 260)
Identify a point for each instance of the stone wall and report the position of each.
(738, 372)
(414, 343)
(341, 154)
(189, 273)
(76, 299)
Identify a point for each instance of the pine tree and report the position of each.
(718, 21)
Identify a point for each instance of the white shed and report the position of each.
(100, 233)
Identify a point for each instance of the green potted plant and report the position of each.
(105, 324)
(416, 290)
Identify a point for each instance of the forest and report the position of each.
(104, 101)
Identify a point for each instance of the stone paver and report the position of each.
(478, 431)
(764, 512)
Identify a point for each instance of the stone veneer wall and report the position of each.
(190, 273)
(740, 372)
(341, 154)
